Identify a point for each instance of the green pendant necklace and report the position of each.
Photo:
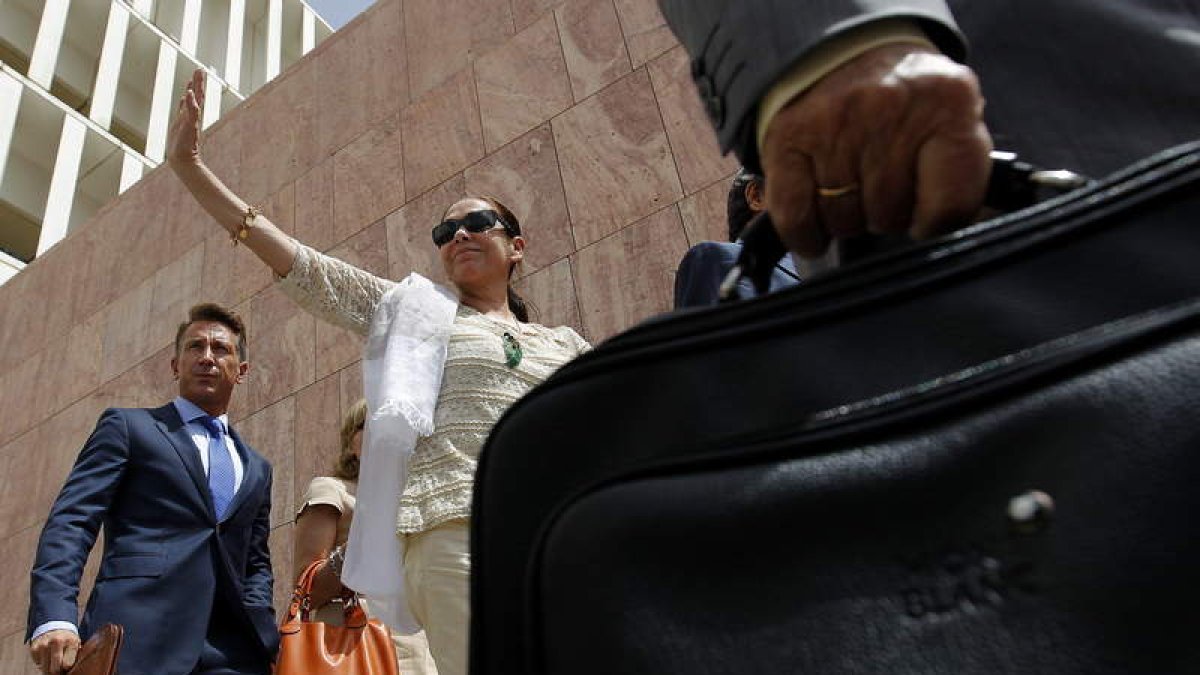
(512, 350)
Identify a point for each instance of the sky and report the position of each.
(338, 12)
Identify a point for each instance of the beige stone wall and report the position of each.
(579, 115)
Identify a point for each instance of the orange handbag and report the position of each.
(360, 646)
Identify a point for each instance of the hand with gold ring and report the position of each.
(892, 141)
(840, 191)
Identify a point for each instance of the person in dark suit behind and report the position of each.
(864, 119)
(185, 506)
(704, 266)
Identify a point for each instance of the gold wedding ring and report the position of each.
(837, 191)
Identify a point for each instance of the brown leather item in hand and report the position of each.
(98, 656)
(360, 646)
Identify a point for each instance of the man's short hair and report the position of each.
(211, 311)
(737, 209)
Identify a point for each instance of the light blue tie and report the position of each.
(220, 465)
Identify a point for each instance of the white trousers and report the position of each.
(437, 572)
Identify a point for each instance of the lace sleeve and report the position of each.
(333, 290)
(572, 340)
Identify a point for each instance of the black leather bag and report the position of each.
(978, 455)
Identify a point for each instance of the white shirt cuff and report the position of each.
(827, 57)
(53, 625)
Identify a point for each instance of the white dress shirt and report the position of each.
(189, 412)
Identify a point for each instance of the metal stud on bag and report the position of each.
(1031, 511)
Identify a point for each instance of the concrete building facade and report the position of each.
(579, 114)
(88, 89)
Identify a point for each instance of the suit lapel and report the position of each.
(169, 423)
(251, 474)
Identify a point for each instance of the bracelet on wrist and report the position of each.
(248, 218)
(335, 560)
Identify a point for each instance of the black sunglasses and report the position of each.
(474, 222)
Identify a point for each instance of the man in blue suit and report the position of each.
(704, 266)
(185, 506)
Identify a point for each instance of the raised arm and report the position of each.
(267, 241)
(327, 287)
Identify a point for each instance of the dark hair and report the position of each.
(520, 307)
(346, 466)
(737, 208)
(210, 311)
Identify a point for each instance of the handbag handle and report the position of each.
(300, 607)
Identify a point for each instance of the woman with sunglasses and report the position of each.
(440, 367)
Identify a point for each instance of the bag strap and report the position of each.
(301, 604)
(353, 614)
(300, 607)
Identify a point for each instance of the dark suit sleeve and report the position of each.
(258, 579)
(256, 588)
(739, 48)
(698, 281)
(74, 521)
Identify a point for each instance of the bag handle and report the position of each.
(300, 607)
(1013, 184)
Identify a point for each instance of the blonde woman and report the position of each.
(322, 527)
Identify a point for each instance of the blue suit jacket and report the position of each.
(704, 266)
(165, 554)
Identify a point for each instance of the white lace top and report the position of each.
(477, 385)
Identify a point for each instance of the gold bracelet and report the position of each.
(252, 212)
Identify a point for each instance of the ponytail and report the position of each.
(518, 305)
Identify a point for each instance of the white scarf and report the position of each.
(402, 376)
